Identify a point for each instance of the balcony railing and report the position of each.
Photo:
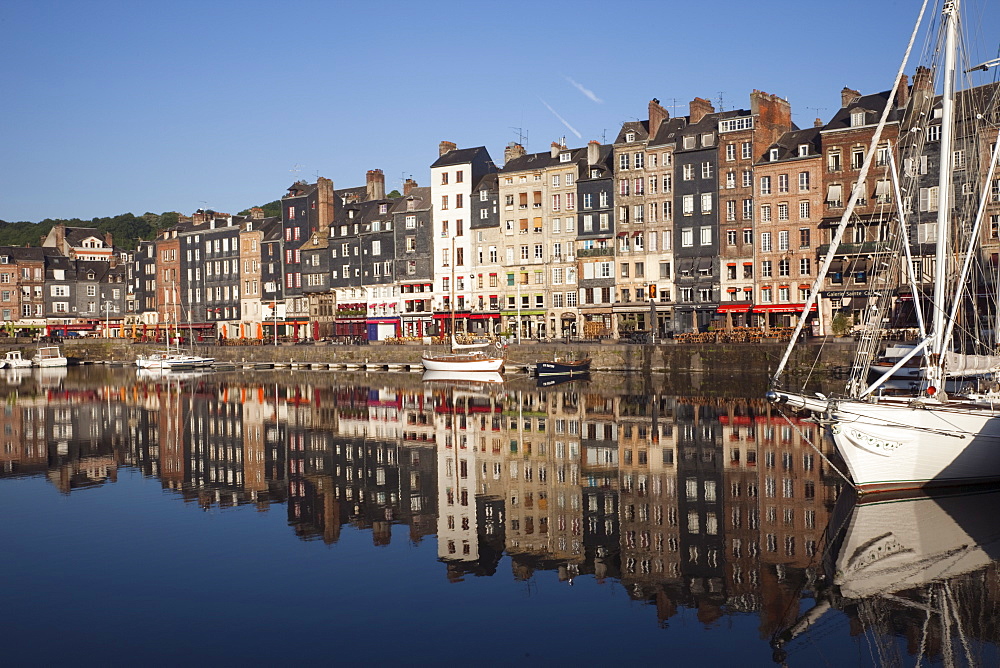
(866, 248)
(595, 252)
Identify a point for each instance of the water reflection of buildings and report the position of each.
(712, 505)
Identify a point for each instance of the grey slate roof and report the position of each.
(459, 156)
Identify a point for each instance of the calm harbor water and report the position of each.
(234, 518)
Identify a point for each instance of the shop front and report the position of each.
(382, 328)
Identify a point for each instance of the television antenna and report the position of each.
(522, 136)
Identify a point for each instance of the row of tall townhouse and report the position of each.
(73, 282)
(715, 219)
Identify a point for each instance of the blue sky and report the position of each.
(114, 107)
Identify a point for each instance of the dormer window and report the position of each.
(629, 136)
(564, 157)
(803, 150)
(774, 154)
(707, 139)
(383, 208)
(857, 118)
(595, 173)
(90, 276)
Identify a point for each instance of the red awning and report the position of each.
(733, 308)
(780, 308)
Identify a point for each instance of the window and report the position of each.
(765, 185)
(857, 158)
(783, 211)
(803, 182)
(731, 210)
(706, 203)
(688, 172)
(748, 209)
(688, 202)
(765, 213)
(783, 268)
(731, 237)
(706, 236)
(804, 210)
(804, 237)
(687, 237)
(783, 240)
(805, 267)
(833, 161)
(765, 242)
(706, 170)
(765, 269)
(782, 183)
(444, 202)
(730, 151)
(746, 150)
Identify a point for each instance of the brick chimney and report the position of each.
(109, 240)
(554, 150)
(773, 115)
(903, 93)
(847, 95)
(256, 213)
(324, 206)
(512, 152)
(818, 123)
(593, 152)
(375, 184)
(198, 218)
(446, 147)
(408, 186)
(700, 108)
(657, 115)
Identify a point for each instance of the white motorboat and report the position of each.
(14, 360)
(49, 356)
(925, 438)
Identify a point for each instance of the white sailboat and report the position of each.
(465, 357)
(925, 438)
(176, 360)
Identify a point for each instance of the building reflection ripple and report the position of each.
(719, 506)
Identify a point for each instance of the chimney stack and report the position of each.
(593, 152)
(512, 152)
(324, 206)
(256, 213)
(408, 186)
(700, 108)
(109, 240)
(657, 115)
(903, 93)
(446, 147)
(847, 96)
(375, 184)
(818, 123)
(554, 152)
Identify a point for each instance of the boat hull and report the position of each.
(556, 368)
(462, 363)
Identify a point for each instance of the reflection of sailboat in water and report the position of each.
(922, 557)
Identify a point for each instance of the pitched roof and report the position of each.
(460, 156)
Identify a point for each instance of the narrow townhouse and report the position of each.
(453, 176)
(594, 248)
(414, 260)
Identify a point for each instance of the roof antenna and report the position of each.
(522, 136)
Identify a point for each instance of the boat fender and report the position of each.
(931, 391)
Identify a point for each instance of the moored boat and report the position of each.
(559, 367)
(14, 360)
(49, 356)
(926, 437)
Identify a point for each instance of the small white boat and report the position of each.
(466, 360)
(49, 356)
(167, 360)
(14, 360)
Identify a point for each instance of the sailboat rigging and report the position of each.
(927, 436)
(465, 356)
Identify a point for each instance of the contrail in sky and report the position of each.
(561, 119)
(589, 93)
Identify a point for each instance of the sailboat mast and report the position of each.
(941, 255)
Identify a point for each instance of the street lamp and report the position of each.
(107, 318)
